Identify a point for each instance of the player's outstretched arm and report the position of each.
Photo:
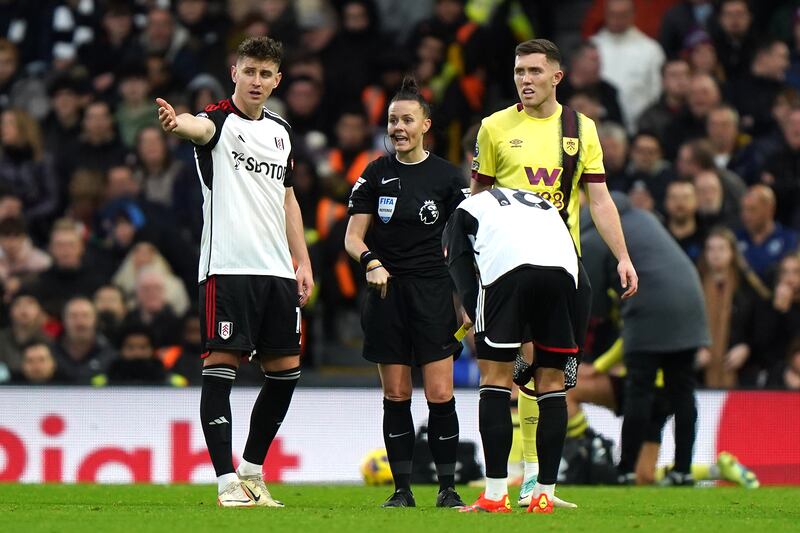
(199, 130)
(297, 246)
(606, 219)
(377, 275)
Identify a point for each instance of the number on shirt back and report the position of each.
(524, 197)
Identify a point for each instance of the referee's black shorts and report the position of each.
(257, 315)
(414, 324)
(528, 304)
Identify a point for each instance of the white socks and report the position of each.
(550, 490)
(224, 480)
(496, 488)
(530, 472)
(248, 469)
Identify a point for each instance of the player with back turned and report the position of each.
(398, 209)
(527, 275)
(540, 146)
(250, 292)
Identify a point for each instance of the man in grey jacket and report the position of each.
(662, 328)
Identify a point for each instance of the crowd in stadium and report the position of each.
(697, 105)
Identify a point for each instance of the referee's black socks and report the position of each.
(398, 435)
(443, 440)
(215, 415)
(550, 434)
(268, 412)
(494, 422)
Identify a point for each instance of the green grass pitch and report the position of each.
(144, 508)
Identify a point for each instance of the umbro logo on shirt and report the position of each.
(515, 143)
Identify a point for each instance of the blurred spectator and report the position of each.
(143, 257)
(391, 66)
(137, 363)
(27, 321)
(71, 275)
(152, 309)
(27, 168)
(172, 41)
(205, 89)
(16, 89)
(19, 258)
(99, 147)
(158, 172)
(207, 23)
(350, 57)
(786, 300)
(713, 209)
(649, 171)
(752, 93)
(39, 365)
(630, 60)
(732, 149)
(10, 204)
(734, 296)
(762, 240)
(786, 374)
(587, 102)
(648, 16)
(85, 195)
(350, 156)
(584, 74)
(614, 142)
(304, 110)
(82, 352)
(698, 155)
(135, 110)
(672, 103)
(109, 301)
(734, 37)
(699, 51)
(782, 170)
(793, 74)
(114, 44)
(680, 20)
(704, 95)
(62, 127)
(680, 206)
(184, 360)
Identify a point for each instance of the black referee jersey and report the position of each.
(410, 204)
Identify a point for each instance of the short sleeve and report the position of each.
(593, 169)
(217, 115)
(484, 167)
(288, 177)
(362, 196)
(457, 193)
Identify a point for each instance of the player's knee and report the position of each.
(439, 392)
(397, 392)
(549, 380)
(222, 358)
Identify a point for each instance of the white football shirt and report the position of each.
(508, 229)
(244, 171)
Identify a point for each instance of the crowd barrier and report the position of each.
(153, 435)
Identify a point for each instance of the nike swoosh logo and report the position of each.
(384, 181)
(448, 438)
(392, 436)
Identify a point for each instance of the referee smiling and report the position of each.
(399, 207)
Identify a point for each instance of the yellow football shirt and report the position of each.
(518, 151)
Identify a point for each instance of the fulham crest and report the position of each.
(429, 213)
(225, 330)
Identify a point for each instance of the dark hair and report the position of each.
(13, 227)
(37, 341)
(261, 48)
(540, 46)
(409, 90)
(137, 328)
